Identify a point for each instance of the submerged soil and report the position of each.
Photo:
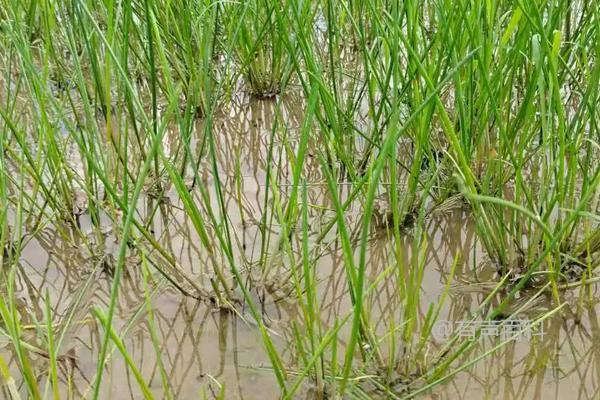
(204, 345)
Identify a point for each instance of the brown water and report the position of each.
(203, 346)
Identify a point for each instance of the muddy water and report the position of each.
(202, 346)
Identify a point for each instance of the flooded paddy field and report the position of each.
(261, 200)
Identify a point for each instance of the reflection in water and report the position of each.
(563, 364)
(203, 346)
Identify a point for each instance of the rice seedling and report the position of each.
(385, 170)
(256, 39)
